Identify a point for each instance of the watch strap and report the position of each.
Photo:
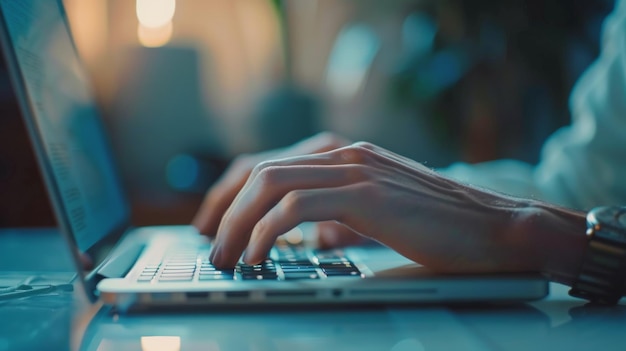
(602, 273)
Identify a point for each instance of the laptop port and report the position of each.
(279, 294)
(237, 294)
(199, 295)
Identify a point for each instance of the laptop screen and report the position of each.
(66, 120)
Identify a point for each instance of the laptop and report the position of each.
(168, 265)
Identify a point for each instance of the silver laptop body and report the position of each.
(167, 265)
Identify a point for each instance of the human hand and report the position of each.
(220, 197)
(424, 216)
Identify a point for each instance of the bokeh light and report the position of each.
(155, 13)
(155, 21)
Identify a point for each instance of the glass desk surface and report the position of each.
(64, 320)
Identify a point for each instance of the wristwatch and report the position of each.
(603, 270)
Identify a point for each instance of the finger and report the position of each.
(264, 174)
(296, 207)
(225, 190)
(327, 158)
(384, 156)
(320, 142)
(332, 234)
(308, 152)
(382, 151)
(265, 190)
(219, 198)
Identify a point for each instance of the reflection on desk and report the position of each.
(559, 322)
(42, 321)
(36, 323)
(350, 329)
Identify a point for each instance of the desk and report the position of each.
(556, 323)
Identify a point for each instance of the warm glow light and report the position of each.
(160, 343)
(155, 13)
(154, 37)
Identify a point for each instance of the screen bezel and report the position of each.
(105, 244)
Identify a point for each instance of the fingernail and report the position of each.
(214, 255)
(252, 244)
(246, 257)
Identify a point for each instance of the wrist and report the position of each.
(555, 239)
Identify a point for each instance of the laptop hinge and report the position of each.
(120, 263)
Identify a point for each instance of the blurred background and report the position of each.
(186, 85)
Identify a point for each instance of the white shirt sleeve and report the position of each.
(582, 165)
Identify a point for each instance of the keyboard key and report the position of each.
(293, 258)
(342, 262)
(248, 268)
(202, 270)
(260, 276)
(215, 273)
(264, 264)
(180, 264)
(294, 262)
(179, 268)
(177, 273)
(216, 277)
(300, 270)
(337, 265)
(300, 275)
(339, 270)
(333, 261)
(341, 273)
(175, 279)
(253, 271)
(259, 271)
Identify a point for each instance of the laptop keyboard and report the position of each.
(287, 262)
